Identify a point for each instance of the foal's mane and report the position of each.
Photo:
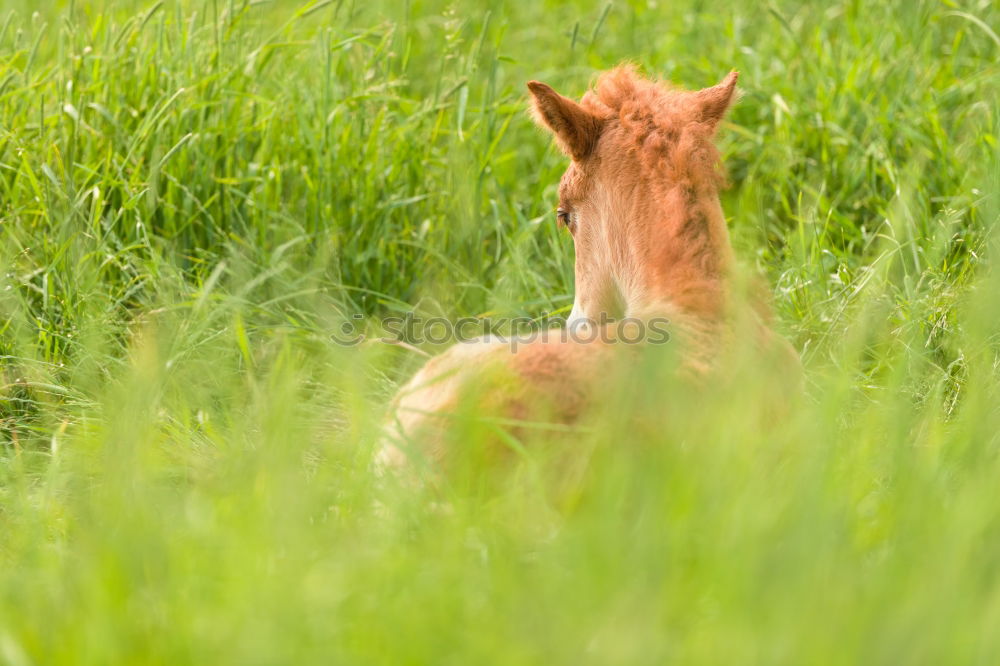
(663, 126)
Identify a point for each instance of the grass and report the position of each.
(194, 195)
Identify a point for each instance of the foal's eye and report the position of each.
(564, 217)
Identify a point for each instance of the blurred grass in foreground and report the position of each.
(195, 194)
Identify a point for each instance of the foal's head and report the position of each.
(640, 194)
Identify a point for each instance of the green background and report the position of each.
(195, 195)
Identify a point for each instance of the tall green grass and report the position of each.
(195, 195)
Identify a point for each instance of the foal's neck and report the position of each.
(689, 253)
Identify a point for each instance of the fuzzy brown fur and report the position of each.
(641, 199)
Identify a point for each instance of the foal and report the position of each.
(640, 198)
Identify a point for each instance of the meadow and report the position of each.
(196, 195)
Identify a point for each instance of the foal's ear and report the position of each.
(576, 129)
(713, 102)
